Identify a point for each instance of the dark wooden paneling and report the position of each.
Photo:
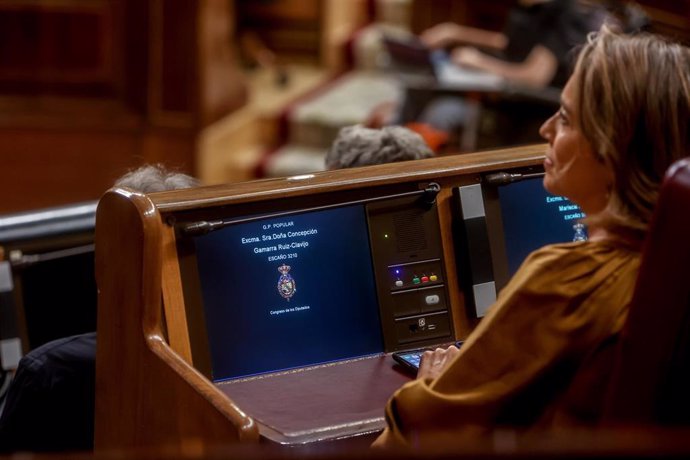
(223, 88)
(290, 28)
(178, 30)
(62, 166)
(91, 88)
(56, 167)
(131, 32)
(56, 51)
(489, 15)
(669, 17)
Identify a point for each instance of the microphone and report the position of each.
(429, 194)
(427, 199)
(502, 178)
(201, 228)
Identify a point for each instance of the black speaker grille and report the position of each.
(409, 230)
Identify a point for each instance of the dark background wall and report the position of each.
(91, 88)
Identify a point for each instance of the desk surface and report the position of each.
(160, 386)
(330, 401)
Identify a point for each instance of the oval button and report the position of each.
(432, 299)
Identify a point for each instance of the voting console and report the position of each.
(268, 310)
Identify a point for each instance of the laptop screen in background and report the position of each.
(409, 55)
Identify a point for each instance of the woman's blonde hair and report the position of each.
(634, 101)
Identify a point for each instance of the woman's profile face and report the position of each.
(571, 165)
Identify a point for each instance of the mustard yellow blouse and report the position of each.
(541, 355)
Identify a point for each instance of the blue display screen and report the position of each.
(289, 291)
(533, 218)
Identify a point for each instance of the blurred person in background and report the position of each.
(534, 50)
(360, 146)
(49, 406)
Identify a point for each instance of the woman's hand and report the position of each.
(442, 35)
(435, 362)
(468, 56)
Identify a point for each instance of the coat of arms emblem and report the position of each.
(286, 283)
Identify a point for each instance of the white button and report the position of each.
(398, 283)
(432, 299)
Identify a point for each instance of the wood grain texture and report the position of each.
(148, 393)
(452, 166)
(90, 89)
(175, 319)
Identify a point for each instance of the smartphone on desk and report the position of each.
(410, 359)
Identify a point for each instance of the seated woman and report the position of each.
(541, 357)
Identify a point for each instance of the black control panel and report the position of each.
(407, 256)
(335, 281)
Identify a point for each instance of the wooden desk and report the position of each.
(150, 387)
(316, 403)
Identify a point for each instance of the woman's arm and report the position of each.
(448, 33)
(537, 70)
(563, 301)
